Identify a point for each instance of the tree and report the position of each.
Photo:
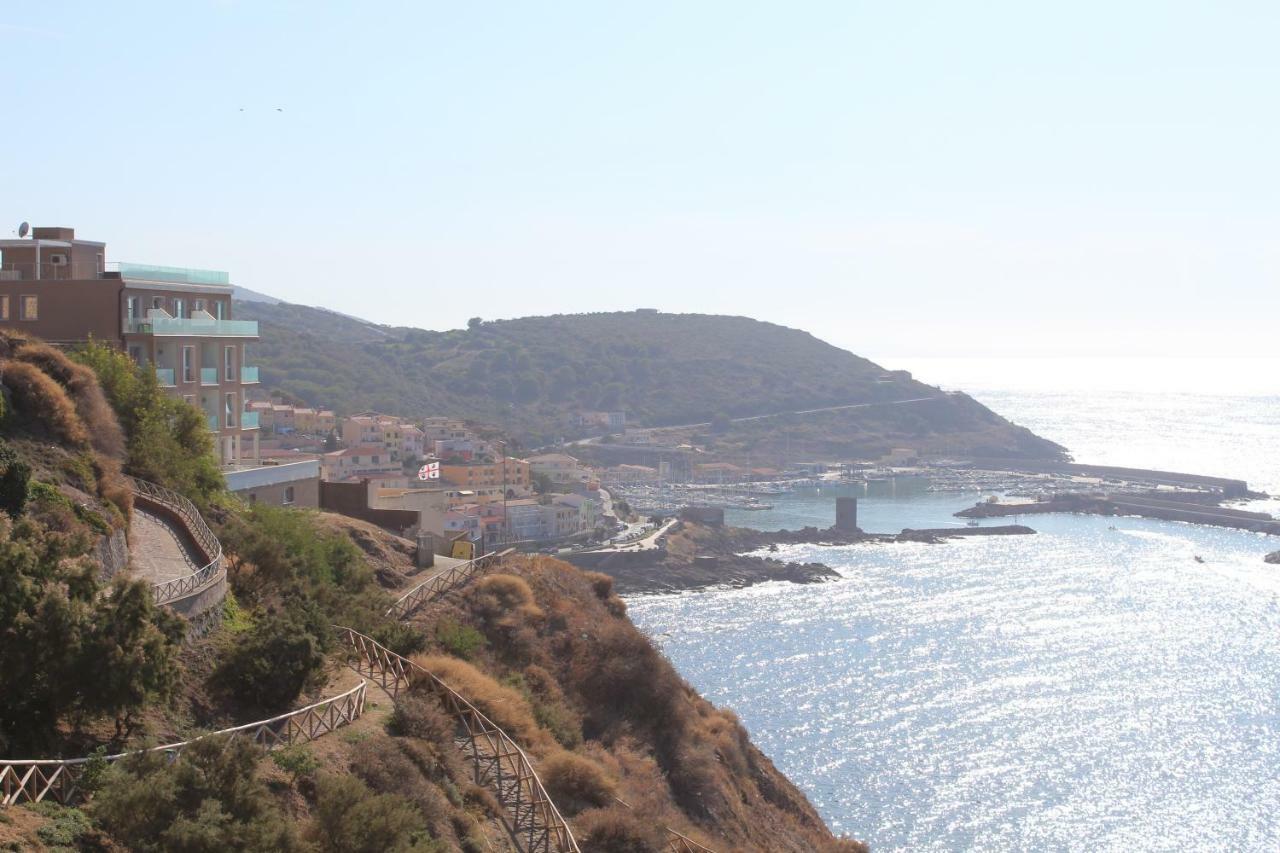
(68, 651)
(331, 442)
(474, 323)
(168, 439)
(542, 482)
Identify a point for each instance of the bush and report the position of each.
(82, 385)
(459, 640)
(576, 783)
(382, 765)
(167, 439)
(349, 818)
(496, 596)
(44, 401)
(616, 830)
(280, 656)
(296, 760)
(13, 482)
(601, 584)
(505, 706)
(422, 717)
(207, 800)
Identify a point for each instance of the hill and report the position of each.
(530, 375)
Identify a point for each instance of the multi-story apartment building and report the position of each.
(444, 429)
(174, 320)
(356, 462)
(563, 470)
(509, 473)
(371, 428)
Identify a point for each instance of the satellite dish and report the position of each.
(23, 229)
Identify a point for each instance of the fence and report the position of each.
(58, 779)
(199, 531)
(441, 582)
(533, 821)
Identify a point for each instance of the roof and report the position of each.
(552, 457)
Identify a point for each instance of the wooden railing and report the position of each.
(199, 531)
(441, 582)
(58, 779)
(531, 818)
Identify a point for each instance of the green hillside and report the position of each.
(529, 375)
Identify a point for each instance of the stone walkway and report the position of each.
(156, 551)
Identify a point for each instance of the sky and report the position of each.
(987, 180)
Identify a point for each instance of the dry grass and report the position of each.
(505, 706)
(82, 386)
(497, 597)
(617, 830)
(576, 783)
(41, 399)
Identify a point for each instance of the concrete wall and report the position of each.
(352, 499)
(69, 311)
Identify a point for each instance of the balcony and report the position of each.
(175, 327)
(249, 420)
(164, 375)
(248, 375)
(31, 271)
(208, 376)
(177, 275)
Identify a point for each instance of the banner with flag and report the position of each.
(430, 471)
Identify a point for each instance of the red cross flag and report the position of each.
(430, 471)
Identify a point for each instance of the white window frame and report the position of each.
(229, 408)
(188, 364)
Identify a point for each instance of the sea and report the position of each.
(1092, 686)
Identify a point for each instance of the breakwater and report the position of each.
(1145, 506)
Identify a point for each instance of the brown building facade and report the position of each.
(176, 321)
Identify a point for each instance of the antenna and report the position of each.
(23, 229)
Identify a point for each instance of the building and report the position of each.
(585, 514)
(176, 321)
(444, 429)
(372, 428)
(355, 462)
(412, 443)
(286, 483)
(563, 470)
(509, 474)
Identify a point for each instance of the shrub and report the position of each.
(381, 764)
(505, 706)
(601, 584)
(576, 783)
(350, 818)
(422, 717)
(496, 596)
(44, 401)
(13, 482)
(616, 830)
(82, 386)
(208, 799)
(296, 760)
(459, 640)
(65, 828)
(280, 656)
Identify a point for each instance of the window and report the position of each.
(157, 302)
(178, 308)
(188, 364)
(28, 307)
(221, 309)
(288, 495)
(228, 364)
(4, 307)
(200, 303)
(231, 410)
(102, 264)
(131, 308)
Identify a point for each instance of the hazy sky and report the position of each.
(990, 178)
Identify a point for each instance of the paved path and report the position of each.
(157, 553)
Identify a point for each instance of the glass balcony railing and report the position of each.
(208, 376)
(248, 374)
(249, 420)
(164, 375)
(212, 420)
(188, 327)
(180, 275)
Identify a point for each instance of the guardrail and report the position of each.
(177, 588)
(58, 779)
(441, 581)
(532, 819)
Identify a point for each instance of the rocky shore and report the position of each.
(700, 555)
